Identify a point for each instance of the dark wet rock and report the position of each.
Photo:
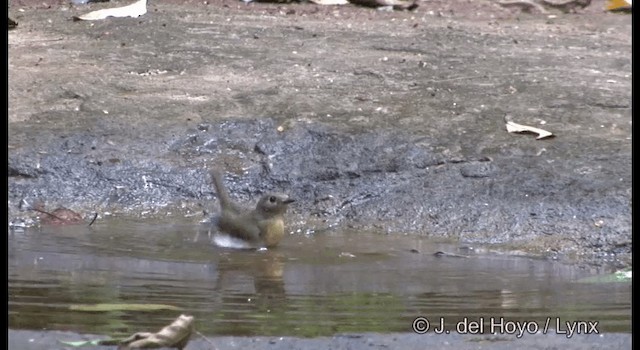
(371, 179)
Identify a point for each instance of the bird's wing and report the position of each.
(239, 226)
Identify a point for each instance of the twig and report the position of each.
(94, 219)
(205, 338)
(43, 40)
(47, 213)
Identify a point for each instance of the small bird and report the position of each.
(263, 226)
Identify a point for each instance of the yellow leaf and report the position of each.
(614, 5)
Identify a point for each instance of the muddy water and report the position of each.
(318, 284)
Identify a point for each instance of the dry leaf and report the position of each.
(514, 127)
(175, 335)
(330, 2)
(440, 254)
(566, 6)
(136, 9)
(524, 5)
(60, 216)
(619, 5)
(396, 4)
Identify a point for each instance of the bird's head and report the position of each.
(274, 203)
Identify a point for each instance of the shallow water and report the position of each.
(318, 284)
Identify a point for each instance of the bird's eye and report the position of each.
(272, 199)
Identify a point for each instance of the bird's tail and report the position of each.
(223, 195)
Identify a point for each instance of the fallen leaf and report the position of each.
(121, 307)
(80, 343)
(176, 335)
(395, 4)
(618, 276)
(619, 5)
(330, 2)
(440, 254)
(60, 216)
(514, 127)
(136, 9)
(346, 255)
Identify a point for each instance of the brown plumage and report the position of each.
(262, 226)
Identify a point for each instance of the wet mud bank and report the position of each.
(381, 121)
(30, 340)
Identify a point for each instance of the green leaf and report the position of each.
(121, 307)
(80, 343)
(618, 276)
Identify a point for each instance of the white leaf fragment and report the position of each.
(136, 9)
(514, 127)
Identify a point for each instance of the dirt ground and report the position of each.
(389, 121)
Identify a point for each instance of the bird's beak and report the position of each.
(288, 200)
